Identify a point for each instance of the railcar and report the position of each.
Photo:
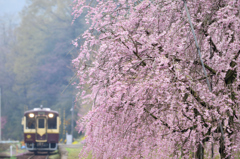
(41, 129)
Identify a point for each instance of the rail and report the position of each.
(32, 157)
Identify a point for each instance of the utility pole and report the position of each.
(64, 124)
(0, 114)
(60, 135)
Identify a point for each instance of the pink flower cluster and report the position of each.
(148, 92)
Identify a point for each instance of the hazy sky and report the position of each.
(11, 7)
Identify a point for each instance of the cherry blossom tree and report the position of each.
(149, 94)
(3, 122)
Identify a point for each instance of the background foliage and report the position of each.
(35, 62)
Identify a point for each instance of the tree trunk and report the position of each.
(200, 152)
(222, 151)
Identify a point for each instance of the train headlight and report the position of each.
(31, 115)
(50, 115)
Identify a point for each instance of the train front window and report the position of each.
(30, 123)
(41, 123)
(52, 123)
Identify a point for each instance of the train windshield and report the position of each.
(30, 123)
(41, 123)
(52, 123)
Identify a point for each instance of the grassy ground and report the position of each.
(16, 149)
(73, 153)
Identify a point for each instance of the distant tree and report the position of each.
(43, 52)
(37, 65)
(149, 94)
(3, 122)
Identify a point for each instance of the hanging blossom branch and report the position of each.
(152, 101)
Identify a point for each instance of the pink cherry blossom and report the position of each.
(147, 88)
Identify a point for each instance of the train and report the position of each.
(41, 128)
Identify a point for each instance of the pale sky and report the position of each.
(11, 7)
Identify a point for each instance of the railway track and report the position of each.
(38, 157)
(31, 155)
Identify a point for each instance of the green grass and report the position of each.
(54, 155)
(74, 152)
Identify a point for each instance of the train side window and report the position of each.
(40, 123)
(52, 123)
(30, 123)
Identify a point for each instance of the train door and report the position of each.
(41, 133)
